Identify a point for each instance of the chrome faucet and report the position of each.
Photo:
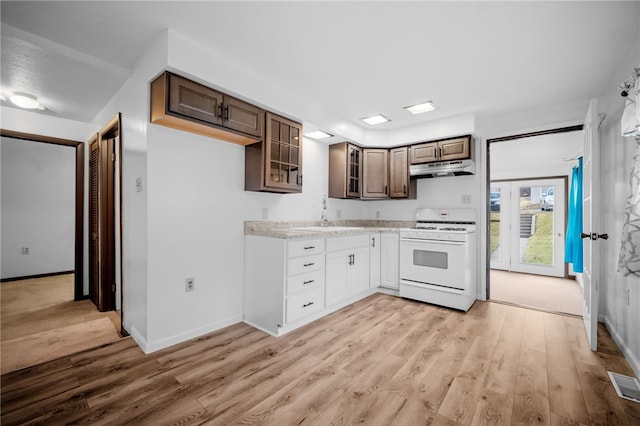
(323, 216)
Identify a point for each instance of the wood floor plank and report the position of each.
(531, 396)
(565, 393)
(383, 360)
(493, 408)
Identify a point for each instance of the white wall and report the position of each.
(536, 156)
(38, 207)
(620, 295)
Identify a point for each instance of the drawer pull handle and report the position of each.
(308, 282)
(309, 264)
(309, 247)
(307, 304)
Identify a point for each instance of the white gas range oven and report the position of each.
(438, 258)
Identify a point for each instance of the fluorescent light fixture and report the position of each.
(375, 119)
(317, 135)
(25, 100)
(420, 108)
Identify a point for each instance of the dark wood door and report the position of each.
(283, 154)
(375, 175)
(102, 223)
(94, 221)
(399, 172)
(193, 100)
(243, 117)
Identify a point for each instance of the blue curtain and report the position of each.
(573, 246)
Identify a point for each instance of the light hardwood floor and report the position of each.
(383, 360)
(41, 322)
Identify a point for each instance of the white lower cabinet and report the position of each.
(374, 260)
(390, 260)
(347, 267)
(291, 282)
(284, 281)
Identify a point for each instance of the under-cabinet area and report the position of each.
(291, 280)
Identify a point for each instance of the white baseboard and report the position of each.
(138, 338)
(191, 334)
(631, 358)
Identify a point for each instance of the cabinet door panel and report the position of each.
(376, 173)
(374, 260)
(399, 172)
(390, 260)
(336, 277)
(194, 100)
(454, 149)
(303, 304)
(244, 117)
(283, 154)
(358, 271)
(424, 153)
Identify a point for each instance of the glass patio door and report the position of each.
(530, 233)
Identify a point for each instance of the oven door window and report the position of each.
(431, 259)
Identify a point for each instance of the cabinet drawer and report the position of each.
(305, 281)
(347, 243)
(306, 303)
(304, 264)
(297, 248)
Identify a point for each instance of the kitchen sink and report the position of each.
(326, 228)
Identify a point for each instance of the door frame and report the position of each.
(78, 269)
(487, 223)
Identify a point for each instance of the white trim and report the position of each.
(139, 339)
(191, 334)
(628, 353)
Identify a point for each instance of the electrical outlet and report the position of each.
(265, 213)
(466, 198)
(25, 250)
(338, 214)
(189, 284)
(139, 184)
(378, 214)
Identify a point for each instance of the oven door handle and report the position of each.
(414, 240)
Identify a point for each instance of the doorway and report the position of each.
(528, 226)
(527, 183)
(105, 251)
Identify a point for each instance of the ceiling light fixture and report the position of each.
(25, 100)
(375, 119)
(421, 108)
(318, 135)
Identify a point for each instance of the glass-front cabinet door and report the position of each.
(284, 154)
(354, 170)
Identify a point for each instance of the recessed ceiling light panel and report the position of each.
(318, 135)
(25, 100)
(421, 108)
(375, 119)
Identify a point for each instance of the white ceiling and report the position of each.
(351, 58)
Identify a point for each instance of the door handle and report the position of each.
(593, 236)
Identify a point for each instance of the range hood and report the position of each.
(442, 169)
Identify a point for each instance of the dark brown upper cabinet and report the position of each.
(345, 170)
(375, 175)
(186, 105)
(275, 164)
(443, 150)
(400, 185)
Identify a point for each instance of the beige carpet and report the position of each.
(41, 322)
(536, 291)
